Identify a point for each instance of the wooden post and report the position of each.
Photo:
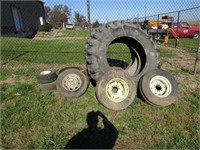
(88, 13)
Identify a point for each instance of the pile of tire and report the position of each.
(117, 83)
(71, 82)
(116, 89)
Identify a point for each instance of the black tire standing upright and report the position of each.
(72, 83)
(159, 88)
(116, 90)
(141, 46)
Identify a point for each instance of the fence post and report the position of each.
(176, 39)
(88, 13)
(197, 61)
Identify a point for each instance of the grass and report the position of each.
(75, 33)
(190, 44)
(42, 51)
(34, 119)
(50, 121)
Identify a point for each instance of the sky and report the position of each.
(109, 10)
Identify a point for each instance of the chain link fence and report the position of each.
(51, 35)
(36, 36)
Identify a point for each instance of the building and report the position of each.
(21, 18)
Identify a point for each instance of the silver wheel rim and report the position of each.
(72, 82)
(45, 72)
(160, 86)
(117, 90)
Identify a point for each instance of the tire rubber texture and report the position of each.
(48, 86)
(46, 78)
(72, 67)
(101, 93)
(146, 93)
(139, 43)
(78, 92)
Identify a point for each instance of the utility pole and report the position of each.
(145, 8)
(88, 13)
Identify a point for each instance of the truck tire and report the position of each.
(196, 35)
(157, 37)
(159, 88)
(46, 76)
(142, 49)
(73, 67)
(115, 90)
(72, 83)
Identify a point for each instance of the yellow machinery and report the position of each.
(152, 22)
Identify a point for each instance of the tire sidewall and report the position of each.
(145, 87)
(102, 96)
(103, 49)
(72, 94)
(97, 48)
(46, 78)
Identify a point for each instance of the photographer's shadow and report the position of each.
(94, 137)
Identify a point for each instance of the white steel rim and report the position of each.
(160, 86)
(117, 90)
(196, 36)
(45, 72)
(72, 82)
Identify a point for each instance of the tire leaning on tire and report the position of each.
(72, 83)
(159, 88)
(141, 46)
(116, 90)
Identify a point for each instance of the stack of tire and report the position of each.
(71, 82)
(116, 89)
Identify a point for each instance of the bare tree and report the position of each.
(60, 14)
(79, 19)
(47, 11)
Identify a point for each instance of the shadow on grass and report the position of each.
(94, 137)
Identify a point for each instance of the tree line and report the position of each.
(62, 14)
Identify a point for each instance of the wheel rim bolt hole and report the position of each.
(158, 87)
(115, 90)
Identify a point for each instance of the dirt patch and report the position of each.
(182, 68)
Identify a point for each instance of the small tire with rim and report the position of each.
(46, 76)
(116, 90)
(159, 88)
(72, 83)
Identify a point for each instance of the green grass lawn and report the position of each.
(42, 51)
(34, 119)
(75, 33)
(190, 44)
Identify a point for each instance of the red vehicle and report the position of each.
(174, 29)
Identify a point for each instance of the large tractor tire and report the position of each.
(144, 56)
